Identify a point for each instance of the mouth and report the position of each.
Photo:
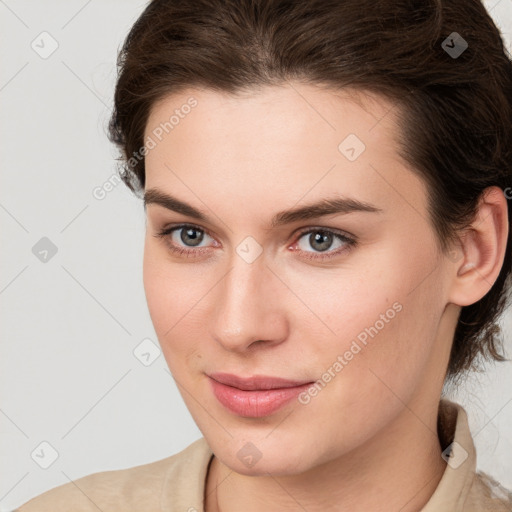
(256, 396)
(257, 382)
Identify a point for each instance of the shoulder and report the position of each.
(487, 494)
(136, 488)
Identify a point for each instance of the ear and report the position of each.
(482, 250)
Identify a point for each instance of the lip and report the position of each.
(257, 396)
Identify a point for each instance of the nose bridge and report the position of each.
(248, 306)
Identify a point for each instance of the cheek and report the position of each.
(378, 358)
(339, 303)
(375, 317)
(172, 297)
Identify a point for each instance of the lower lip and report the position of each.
(255, 404)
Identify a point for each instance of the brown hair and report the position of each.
(455, 110)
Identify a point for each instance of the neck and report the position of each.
(397, 470)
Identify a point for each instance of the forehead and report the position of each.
(319, 106)
(285, 141)
(285, 123)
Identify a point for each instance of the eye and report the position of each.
(322, 240)
(186, 239)
(187, 234)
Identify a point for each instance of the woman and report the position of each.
(328, 243)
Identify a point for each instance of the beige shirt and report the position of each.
(177, 483)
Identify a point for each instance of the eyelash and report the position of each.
(348, 241)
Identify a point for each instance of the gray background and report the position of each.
(70, 324)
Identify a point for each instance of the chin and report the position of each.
(259, 458)
(276, 466)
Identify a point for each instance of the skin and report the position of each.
(368, 440)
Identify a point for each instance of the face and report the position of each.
(346, 301)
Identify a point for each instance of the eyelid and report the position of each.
(341, 232)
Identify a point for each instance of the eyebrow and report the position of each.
(326, 206)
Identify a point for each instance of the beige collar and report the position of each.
(455, 437)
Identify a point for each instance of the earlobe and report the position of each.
(483, 249)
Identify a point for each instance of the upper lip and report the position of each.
(256, 381)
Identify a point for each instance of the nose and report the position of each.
(250, 307)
